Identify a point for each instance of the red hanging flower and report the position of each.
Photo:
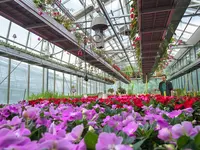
(134, 45)
(132, 16)
(40, 12)
(132, 9)
(39, 39)
(80, 53)
(137, 38)
(179, 42)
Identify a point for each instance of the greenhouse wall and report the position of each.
(189, 81)
(18, 80)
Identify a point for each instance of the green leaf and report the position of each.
(42, 114)
(108, 129)
(137, 146)
(197, 140)
(91, 140)
(183, 141)
(126, 139)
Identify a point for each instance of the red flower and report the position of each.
(134, 45)
(179, 42)
(137, 38)
(132, 16)
(178, 106)
(40, 13)
(80, 53)
(132, 9)
(189, 103)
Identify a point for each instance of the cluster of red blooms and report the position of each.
(133, 100)
(116, 67)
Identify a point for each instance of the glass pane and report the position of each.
(66, 84)
(18, 34)
(51, 81)
(4, 27)
(59, 82)
(194, 81)
(36, 74)
(3, 75)
(35, 42)
(18, 81)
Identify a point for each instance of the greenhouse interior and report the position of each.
(100, 74)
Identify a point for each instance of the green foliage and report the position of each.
(110, 90)
(131, 88)
(91, 140)
(182, 141)
(48, 95)
(185, 142)
(121, 90)
(108, 129)
(36, 133)
(128, 70)
(180, 92)
(137, 146)
(198, 55)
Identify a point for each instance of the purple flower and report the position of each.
(10, 139)
(174, 113)
(22, 131)
(62, 144)
(130, 128)
(108, 141)
(31, 113)
(164, 134)
(185, 128)
(75, 134)
(128, 120)
(15, 121)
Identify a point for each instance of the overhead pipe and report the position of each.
(113, 28)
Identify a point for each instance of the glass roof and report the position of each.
(118, 11)
(119, 15)
(187, 27)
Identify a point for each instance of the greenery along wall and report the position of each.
(137, 86)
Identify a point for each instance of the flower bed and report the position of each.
(119, 123)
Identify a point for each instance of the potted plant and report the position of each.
(121, 90)
(111, 90)
(79, 37)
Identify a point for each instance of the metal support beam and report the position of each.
(43, 78)
(117, 51)
(58, 40)
(54, 83)
(9, 72)
(113, 28)
(192, 15)
(34, 26)
(28, 86)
